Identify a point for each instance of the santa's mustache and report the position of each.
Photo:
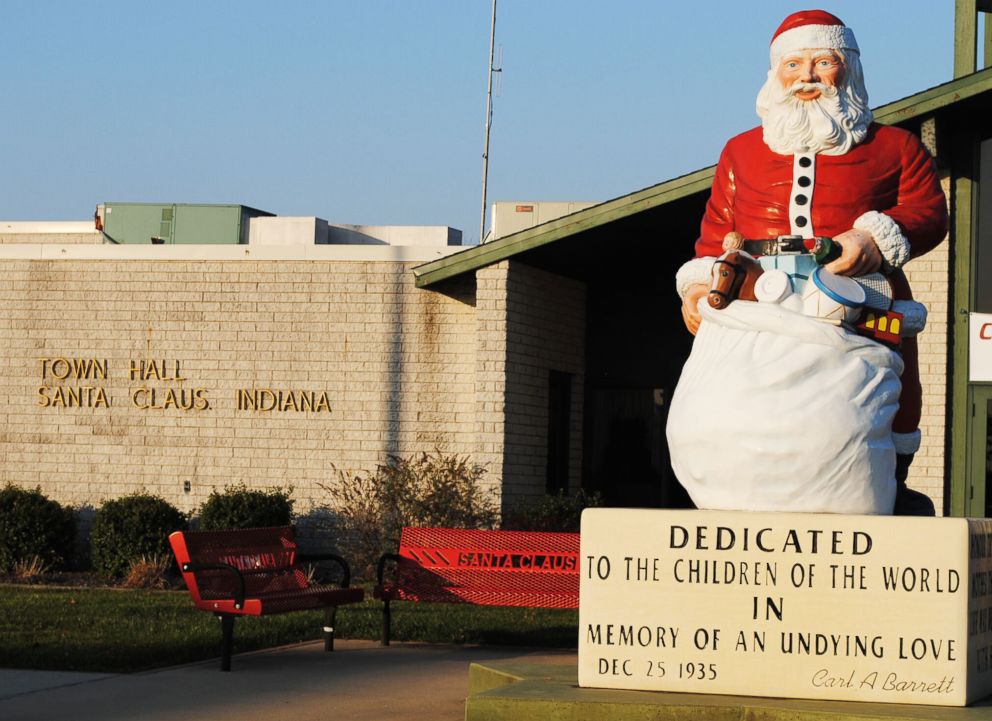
(826, 91)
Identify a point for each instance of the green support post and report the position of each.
(966, 38)
(987, 46)
(963, 217)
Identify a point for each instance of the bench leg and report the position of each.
(386, 616)
(227, 640)
(329, 614)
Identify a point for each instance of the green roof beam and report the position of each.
(915, 106)
(934, 99)
(594, 217)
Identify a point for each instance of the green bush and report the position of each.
(242, 507)
(434, 490)
(129, 528)
(555, 512)
(33, 525)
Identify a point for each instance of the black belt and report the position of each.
(782, 245)
(796, 245)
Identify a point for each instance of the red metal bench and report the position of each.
(486, 568)
(253, 572)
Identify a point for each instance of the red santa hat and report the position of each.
(811, 29)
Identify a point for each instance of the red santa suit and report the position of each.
(886, 185)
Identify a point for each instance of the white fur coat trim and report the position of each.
(695, 271)
(907, 443)
(914, 316)
(888, 236)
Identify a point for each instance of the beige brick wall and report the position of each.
(529, 322)
(404, 370)
(94, 238)
(929, 277)
(303, 325)
(546, 317)
(490, 370)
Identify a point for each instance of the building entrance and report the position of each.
(636, 347)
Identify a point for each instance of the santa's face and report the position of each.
(809, 68)
(814, 101)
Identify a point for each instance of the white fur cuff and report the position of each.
(694, 272)
(907, 443)
(888, 236)
(914, 316)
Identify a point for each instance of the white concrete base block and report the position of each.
(817, 606)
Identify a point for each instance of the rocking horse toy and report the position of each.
(734, 276)
(865, 304)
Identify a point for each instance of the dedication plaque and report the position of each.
(820, 606)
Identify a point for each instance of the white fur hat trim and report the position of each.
(694, 272)
(812, 37)
(887, 235)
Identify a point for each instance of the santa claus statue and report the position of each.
(819, 166)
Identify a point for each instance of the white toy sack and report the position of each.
(776, 411)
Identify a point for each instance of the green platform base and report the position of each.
(510, 692)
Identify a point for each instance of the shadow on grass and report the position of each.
(124, 631)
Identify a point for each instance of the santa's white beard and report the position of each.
(831, 124)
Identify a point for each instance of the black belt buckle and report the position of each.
(789, 245)
(782, 245)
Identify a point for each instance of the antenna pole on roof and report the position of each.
(489, 122)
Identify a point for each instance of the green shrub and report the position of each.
(129, 528)
(242, 507)
(435, 490)
(32, 525)
(555, 512)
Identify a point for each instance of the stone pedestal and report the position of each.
(854, 608)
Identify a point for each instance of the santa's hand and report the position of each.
(859, 254)
(690, 306)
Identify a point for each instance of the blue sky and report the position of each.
(373, 112)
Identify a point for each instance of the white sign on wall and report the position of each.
(980, 347)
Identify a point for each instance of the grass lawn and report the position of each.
(101, 629)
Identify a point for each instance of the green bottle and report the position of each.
(825, 250)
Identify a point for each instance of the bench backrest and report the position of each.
(266, 557)
(491, 568)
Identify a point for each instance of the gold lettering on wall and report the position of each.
(186, 399)
(267, 399)
(76, 368)
(72, 397)
(53, 393)
(158, 370)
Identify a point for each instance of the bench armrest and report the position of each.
(311, 557)
(239, 594)
(380, 567)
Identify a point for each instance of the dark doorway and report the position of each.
(636, 343)
(636, 347)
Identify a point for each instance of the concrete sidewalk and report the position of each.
(360, 680)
